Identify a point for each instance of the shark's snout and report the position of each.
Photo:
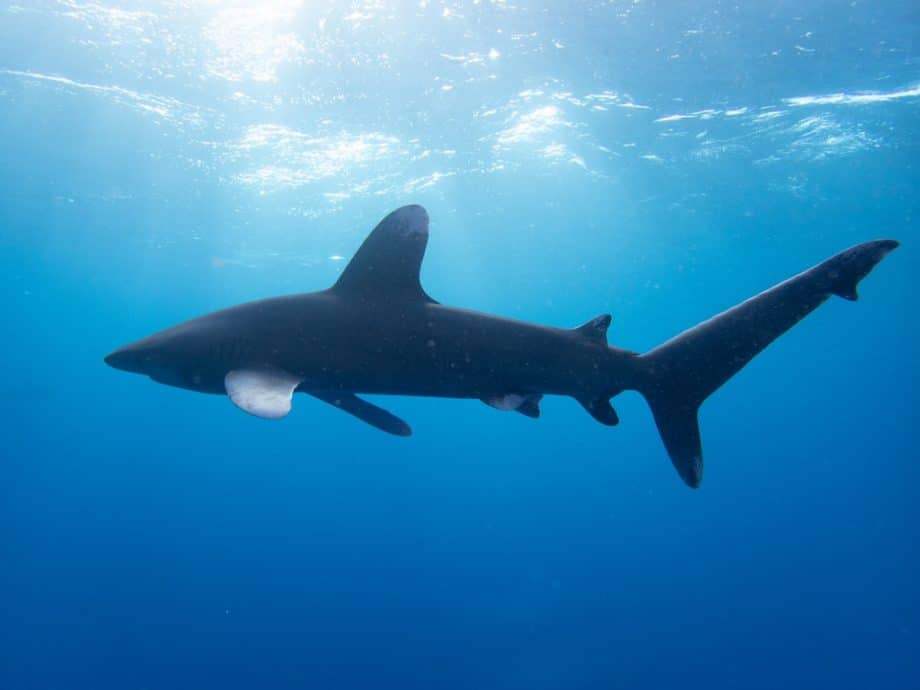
(126, 359)
(160, 359)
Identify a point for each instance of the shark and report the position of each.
(376, 331)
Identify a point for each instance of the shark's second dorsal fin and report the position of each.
(387, 265)
(596, 328)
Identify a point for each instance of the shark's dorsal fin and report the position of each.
(387, 265)
(596, 328)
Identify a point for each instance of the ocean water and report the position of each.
(660, 161)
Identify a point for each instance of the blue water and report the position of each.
(658, 160)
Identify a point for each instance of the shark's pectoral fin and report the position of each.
(528, 404)
(365, 411)
(264, 393)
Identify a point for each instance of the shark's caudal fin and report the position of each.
(680, 374)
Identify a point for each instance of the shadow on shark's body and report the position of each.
(377, 331)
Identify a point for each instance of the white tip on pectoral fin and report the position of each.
(265, 393)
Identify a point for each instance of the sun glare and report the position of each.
(251, 40)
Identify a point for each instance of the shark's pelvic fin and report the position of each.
(528, 404)
(596, 328)
(387, 265)
(530, 407)
(365, 411)
(264, 393)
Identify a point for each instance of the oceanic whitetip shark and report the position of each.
(377, 331)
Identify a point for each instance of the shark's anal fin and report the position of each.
(365, 411)
(387, 266)
(596, 328)
(528, 404)
(265, 393)
(601, 410)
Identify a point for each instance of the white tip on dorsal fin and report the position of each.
(265, 393)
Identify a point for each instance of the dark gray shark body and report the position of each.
(377, 331)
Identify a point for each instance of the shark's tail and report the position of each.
(680, 374)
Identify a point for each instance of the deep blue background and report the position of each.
(163, 160)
